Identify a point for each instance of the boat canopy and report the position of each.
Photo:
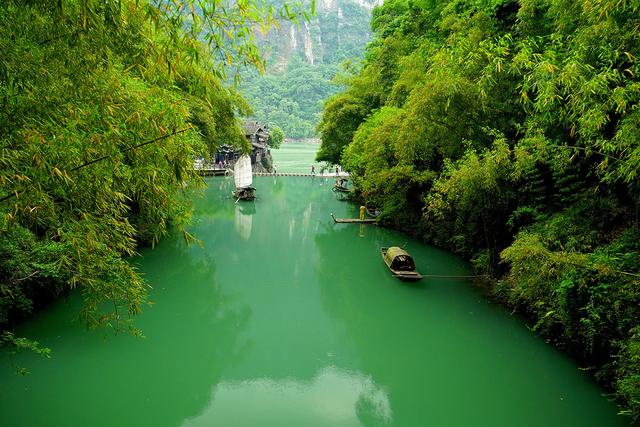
(242, 172)
(400, 259)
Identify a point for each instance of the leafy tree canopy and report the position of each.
(508, 132)
(104, 106)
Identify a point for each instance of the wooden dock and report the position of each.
(352, 220)
(208, 169)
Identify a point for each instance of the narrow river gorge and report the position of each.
(283, 318)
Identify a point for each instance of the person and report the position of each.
(336, 170)
(313, 170)
(274, 169)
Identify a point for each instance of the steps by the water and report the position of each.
(213, 172)
(210, 169)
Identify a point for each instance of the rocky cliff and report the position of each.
(302, 59)
(338, 31)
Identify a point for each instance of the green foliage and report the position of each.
(470, 199)
(276, 136)
(508, 132)
(342, 114)
(291, 99)
(297, 80)
(228, 29)
(14, 345)
(30, 272)
(384, 175)
(628, 373)
(587, 303)
(104, 106)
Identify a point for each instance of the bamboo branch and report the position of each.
(618, 159)
(99, 159)
(22, 279)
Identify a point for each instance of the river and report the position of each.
(283, 318)
(296, 156)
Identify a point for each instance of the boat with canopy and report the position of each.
(400, 263)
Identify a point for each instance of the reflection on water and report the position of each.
(243, 219)
(283, 318)
(333, 397)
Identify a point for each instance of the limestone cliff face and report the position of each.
(339, 31)
(301, 62)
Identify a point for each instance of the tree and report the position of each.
(104, 106)
(507, 132)
(276, 136)
(342, 115)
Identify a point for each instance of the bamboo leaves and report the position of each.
(511, 137)
(97, 142)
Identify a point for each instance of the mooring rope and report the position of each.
(440, 276)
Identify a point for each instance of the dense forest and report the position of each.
(104, 106)
(506, 131)
(509, 132)
(302, 61)
(291, 99)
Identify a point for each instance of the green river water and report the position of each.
(283, 318)
(296, 156)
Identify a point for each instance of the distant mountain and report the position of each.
(302, 60)
(339, 31)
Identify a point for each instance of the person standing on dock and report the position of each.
(313, 170)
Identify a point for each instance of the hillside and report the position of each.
(302, 59)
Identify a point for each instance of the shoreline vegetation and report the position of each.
(507, 132)
(105, 104)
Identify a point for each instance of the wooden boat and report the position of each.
(352, 220)
(341, 185)
(400, 263)
(246, 193)
(243, 177)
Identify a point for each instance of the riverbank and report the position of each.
(535, 294)
(282, 317)
(508, 134)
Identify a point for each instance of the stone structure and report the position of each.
(258, 136)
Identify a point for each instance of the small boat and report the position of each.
(373, 212)
(246, 193)
(341, 185)
(243, 177)
(352, 220)
(400, 263)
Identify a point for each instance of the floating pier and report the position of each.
(332, 175)
(208, 170)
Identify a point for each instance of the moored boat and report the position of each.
(342, 185)
(400, 263)
(243, 177)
